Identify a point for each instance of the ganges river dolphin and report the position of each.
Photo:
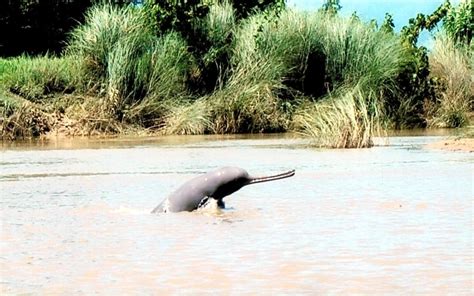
(215, 184)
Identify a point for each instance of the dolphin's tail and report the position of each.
(272, 178)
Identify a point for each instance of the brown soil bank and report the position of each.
(457, 144)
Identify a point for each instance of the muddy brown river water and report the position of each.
(396, 219)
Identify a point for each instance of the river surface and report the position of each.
(396, 219)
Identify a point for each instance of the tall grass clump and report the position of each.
(244, 96)
(277, 59)
(137, 84)
(307, 49)
(356, 53)
(360, 67)
(322, 49)
(349, 119)
(248, 101)
(451, 65)
(135, 69)
(159, 75)
(102, 29)
(108, 43)
(252, 108)
(272, 48)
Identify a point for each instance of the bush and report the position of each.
(246, 109)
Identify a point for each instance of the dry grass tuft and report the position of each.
(452, 66)
(348, 120)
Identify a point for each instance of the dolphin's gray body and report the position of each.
(215, 184)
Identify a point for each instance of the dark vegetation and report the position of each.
(193, 67)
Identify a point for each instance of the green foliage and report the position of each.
(315, 53)
(277, 62)
(178, 15)
(331, 6)
(417, 88)
(411, 32)
(387, 25)
(247, 7)
(213, 42)
(212, 37)
(356, 54)
(246, 108)
(405, 108)
(34, 78)
(459, 22)
(132, 66)
(104, 26)
(270, 51)
(159, 75)
(193, 67)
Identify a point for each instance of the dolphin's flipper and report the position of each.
(221, 203)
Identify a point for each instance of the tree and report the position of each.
(245, 8)
(331, 6)
(38, 26)
(387, 25)
(459, 22)
(177, 15)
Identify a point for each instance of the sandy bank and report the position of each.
(457, 144)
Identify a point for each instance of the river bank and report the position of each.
(337, 80)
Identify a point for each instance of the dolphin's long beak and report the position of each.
(272, 178)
